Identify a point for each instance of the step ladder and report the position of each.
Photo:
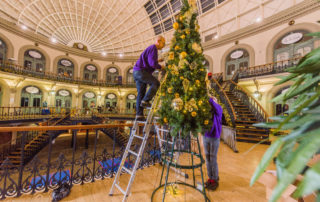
(138, 155)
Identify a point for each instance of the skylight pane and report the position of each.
(159, 2)
(149, 7)
(164, 12)
(157, 30)
(154, 18)
(175, 5)
(168, 25)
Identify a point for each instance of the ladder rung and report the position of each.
(165, 130)
(166, 141)
(127, 170)
(141, 122)
(132, 152)
(137, 136)
(120, 189)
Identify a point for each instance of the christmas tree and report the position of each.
(184, 100)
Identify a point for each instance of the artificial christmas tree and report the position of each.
(184, 100)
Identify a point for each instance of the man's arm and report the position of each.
(153, 59)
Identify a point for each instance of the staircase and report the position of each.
(246, 132)
(35, 144)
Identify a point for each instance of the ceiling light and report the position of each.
(24, 27)
(53, 40)
(216, 36)
(104, 53)
(259, 19)
(121, 55)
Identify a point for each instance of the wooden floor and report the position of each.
(235, 172)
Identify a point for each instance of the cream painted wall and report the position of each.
(259, 42)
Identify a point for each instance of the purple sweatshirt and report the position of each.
(215, 131)
(148, 60)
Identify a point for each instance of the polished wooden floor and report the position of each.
(235, 172)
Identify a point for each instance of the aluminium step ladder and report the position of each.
(138, 155)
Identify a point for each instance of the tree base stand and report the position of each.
(167, 160)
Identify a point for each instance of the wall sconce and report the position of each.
(257, 95)
(52, 92)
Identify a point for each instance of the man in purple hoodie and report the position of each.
(142, 74)
(211, 141)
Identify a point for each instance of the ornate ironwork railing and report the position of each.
(248, 100)
(74, 167)
(25, 113)
(267, 69)
(225, 100)
(17, 69)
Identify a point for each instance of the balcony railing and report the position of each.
(24, 113)
(17, 69)
(267, 69)
(53, 168)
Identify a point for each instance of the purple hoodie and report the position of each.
(148, 60)
(215, 131)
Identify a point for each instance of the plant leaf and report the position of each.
(308, 147)
(267, 157)
(310, 183)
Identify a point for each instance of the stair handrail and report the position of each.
(230, 106)
(255, 105)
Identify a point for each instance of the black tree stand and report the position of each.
(164, 158)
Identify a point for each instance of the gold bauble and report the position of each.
(200, 102)
(183, 55)
(169, 90)
(197, 82)
(171, 56)
(181, 18)
(169, 66)
(176, 95)
(193, 114)
(183, 36)
(191, 89)
(206, 122)
(185, 111)
(177, 104)
(165, 120)
(181, 77)
(175, 25)
(176, 48)
(187, 31)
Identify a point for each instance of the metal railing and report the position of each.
(267, 69)
(74, 167)
(218, 77)
(225, 100)
(17, 69)
(248, 100)
(25, 113)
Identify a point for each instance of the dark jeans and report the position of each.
(211, 146)
(142, 78)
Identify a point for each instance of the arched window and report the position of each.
(113, 75)
(292, 45)
(65, 68)
(34, 61)
(31, 96)
(236, 60)
(279, 107)
(89, 100)
(130, 79)
(111, 100)
(3, 50)
(131, 104)
(90, 73)
(63, 99)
